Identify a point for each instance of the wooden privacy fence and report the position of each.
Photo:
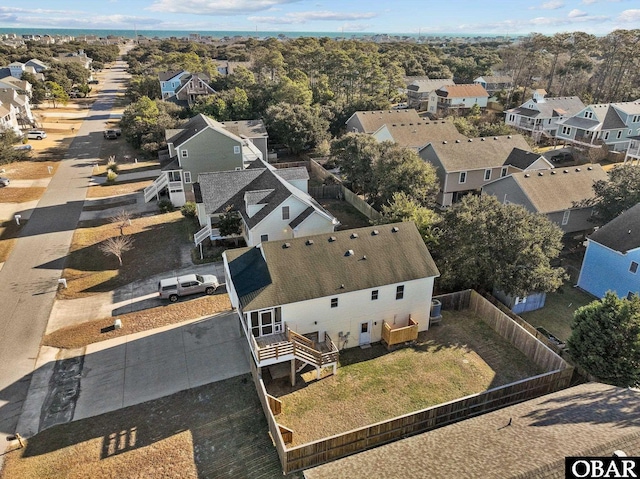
(558, 377)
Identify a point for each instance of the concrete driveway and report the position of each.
(134, 369)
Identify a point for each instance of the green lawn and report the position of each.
(557, 314)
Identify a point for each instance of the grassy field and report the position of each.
(462, 356)
(157, 247)
(348, 216)
(20, 195)
(29, 170)
(557, 314)
(117, 188)
(213, 431)
(80, 335)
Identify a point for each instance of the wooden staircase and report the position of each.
(318, 355)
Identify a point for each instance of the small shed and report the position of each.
(521, 304)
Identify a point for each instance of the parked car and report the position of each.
(23, 147)
(562, 157)
(173, 288)
(110, 135)
(4, 181)
(36, 134)
(92, 82)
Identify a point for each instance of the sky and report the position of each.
(500, 17)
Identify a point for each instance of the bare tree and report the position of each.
(121, 219)
(116, 246)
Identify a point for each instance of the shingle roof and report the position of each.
(429, 85)
(629, 107)
(246, 128)
(489, 152)
(317, 266)
(164, 76)
(462, 91)
(371, 121)
(417, 134)
(528, 440)
(553, 107)
(220, 187)
(496, 79)
(582, 123)
(522, 159)
(612, 120)
(291, 174)
(622, 233)
(560, 189)
(195, 125)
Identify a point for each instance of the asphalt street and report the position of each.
(29, 277)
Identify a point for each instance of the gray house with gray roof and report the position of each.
(565, 196)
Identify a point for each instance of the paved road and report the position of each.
(28, 279)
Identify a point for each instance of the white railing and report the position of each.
(156, 187)
(200, 236)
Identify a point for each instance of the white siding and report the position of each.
(357, 307)
(313, 225)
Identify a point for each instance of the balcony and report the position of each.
(399, 333)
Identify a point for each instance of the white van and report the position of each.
(36, 134)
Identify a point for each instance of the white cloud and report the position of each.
(304, 17)
(216, 7)
(628, 16)
(589, 2)
(552, 5)
(575, 13)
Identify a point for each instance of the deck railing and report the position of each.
(393, 336)
(271, 351)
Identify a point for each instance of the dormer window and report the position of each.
(588, 114)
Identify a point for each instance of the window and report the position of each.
(619, 135)
(184, 153)
(463, 177)
(334, 302)
(588, 114)
(634, 267)
(512, 117)
(374, 295)
(285, 212)
(521, 300)
(487, 175)
(566, 130)
(187, 177)
(565, 217)
(400, 292)
(503, 172)
(264, 238)
(606, 135)
(636, 118)
(174, 176)
(236, 150)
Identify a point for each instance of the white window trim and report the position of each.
(187, 177)
(462, 177)
(631, 267)
(566, 130)
(565, 217)
(503, 172)
(236, 150)
(485, 174)
(184, 153)
(288, 213)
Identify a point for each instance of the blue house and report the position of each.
(170, 81)
(612, 257)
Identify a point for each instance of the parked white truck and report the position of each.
(173, 288)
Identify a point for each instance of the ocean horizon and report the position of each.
(76, 32)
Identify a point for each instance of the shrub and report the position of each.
(111, 176)
(166, 206)
(188, 210)
(112, 165)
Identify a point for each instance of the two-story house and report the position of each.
(21, 104)
(612, 259)
(170, 81)
(273, 204)
(307, 298)
(494, 83)
(452, 98)
(193, 87)
(465, 166)
(610, 124)
(419, 93)
(201, 146)
(371, 121)
(540, 115)
(633, 151)
(565, 196)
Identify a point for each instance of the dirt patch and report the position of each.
(158, 244)
(29, 170)
(80, 335)
(20, 195)
(462, 356)
(348, 216)
(213, 431)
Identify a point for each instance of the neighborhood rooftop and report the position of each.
(328, 264)
(622, 233)
(528, 440)
(552, 107)
(246, 128)
(559, 189)
(462, 91)
(371, 121)
(417, 134)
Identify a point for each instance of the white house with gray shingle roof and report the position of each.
(338, 289)
(611, 124)
(272, 203)
(540, 115)
(564, 195)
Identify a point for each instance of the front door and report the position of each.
(365, 333)
(266, 322)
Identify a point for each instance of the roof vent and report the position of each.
(526, 175)
(393, 124)
(444, 142)
(470, 140)
(481, 139)
(540, 173)
(364, 256)
(375, 233)
(495, 137)
(577, 169)
(410, 124)
(394, 229)
(401, 124)
(509, 136)
(309, 242)
(457, 141)
(349, 253)
(332, 239)
(553, 172)
(589, 168)
(286, 245)
(354, 235)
